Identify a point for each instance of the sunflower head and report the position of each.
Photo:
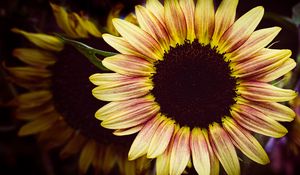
(194, 83)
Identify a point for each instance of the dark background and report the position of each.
(22, 154)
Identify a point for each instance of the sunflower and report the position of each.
(194, 84)
(57, 105)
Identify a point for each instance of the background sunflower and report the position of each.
(19, 154)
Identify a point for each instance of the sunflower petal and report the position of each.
(33, 99)
(224, 149)
(241, 30)
(188, 8)
(121, 45)
(41, 40)
(149, 23)
(117, 91)
(180, 154)
(122, 108)
(175, 21)
(263, 92)
(38, 125)
(73, 146)
(204, 20)
(140, 144)
(261, 62)
(244, 141)
(224, 18)
(161, 138)
(34, 57)
(200, 152)
(128, 131)
(273, 110)
(28, 73)
(256, 121)
(157, 9)
(128, 65)
(133, 117)
(257, 40)
(271, 75)
(139, 39)
(86, 156)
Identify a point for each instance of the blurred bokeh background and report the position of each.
(23, 154)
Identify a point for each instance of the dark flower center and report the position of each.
(193, 85)
(73, 97)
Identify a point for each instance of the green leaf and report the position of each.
(88, 51)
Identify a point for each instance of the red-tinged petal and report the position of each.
(204, 20)
(263, 92)
(256, 121)
(273, 110)
(107, 78)
(128, 131)
(214, 161)
(139, 39)
(161, 138)
(224, 18)
(175, 21)
(200, 152)
(224, 149)
(163, 161)
(157, 9)
(86, 156)
(121, 108)
(188, 8)
(149, 23)
(129, 65)
(121, 45)
(132, 119)
(241, 30)
(261, 62)
(273, 74)
(180, 154)
(140, 144)
(257, 40)
(245, 142)
(117, 91)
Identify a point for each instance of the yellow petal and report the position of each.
(204, 20)
(28, 73)
(38, 125)
(117, 91)
(224, 149)
(241, 30)
(180, 154)
(73, 146)
(161, 138)
(273, 110)
(244, 141)
(157, 9)
(256, 121)
(263, 92)
(113, 13)
(140, 144)
(258, 40)
(121, 45)
(200, 152)
(271, 75)
(34, 99)
(129, 65)
(188, 8)
(86, 156)
(41, 40)
(175, 21)
(224, 18)
(139, 39)
(149, 23)
(128, 131)
(34, 57)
